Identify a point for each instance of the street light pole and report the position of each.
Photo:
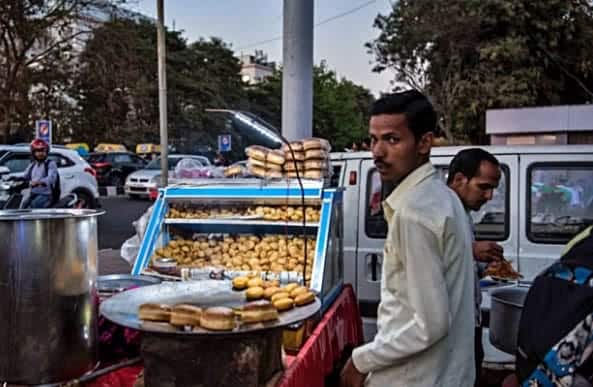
(161, 54)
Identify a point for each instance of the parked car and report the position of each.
(76, 175)
(545, 197)
(113, 167)
(142, 182)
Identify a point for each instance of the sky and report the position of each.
(242, 23)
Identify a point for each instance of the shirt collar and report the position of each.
(421, 173)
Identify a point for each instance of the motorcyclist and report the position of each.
(42, 175)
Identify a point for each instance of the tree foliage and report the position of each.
(474, 55)
(340, 107)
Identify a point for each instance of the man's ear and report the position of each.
(425, 143)
(458, 180)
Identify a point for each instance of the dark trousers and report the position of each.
(479, 354)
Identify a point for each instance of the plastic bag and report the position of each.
(130, 248)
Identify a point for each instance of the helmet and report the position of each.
(39, 144)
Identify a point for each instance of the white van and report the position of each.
(545, 197)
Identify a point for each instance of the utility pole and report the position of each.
(161, 54)
(297, 73)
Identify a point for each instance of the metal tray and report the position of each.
(120, 282)
(122, 308)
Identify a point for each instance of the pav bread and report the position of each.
(182, 315)
(275, 157)
(259, 311)
(257, 152)
(218, 319)
(316, 143)
(304, 299)
(154, 312)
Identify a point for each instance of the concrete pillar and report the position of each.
(297, 81)
(162, 69)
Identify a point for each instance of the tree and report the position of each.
(340, 107)
(473, 55)
(36, 46)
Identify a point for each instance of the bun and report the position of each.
(298, 156)
(293, 175)
(314, 174)
(275, 157)
(316, 164)
(218, 319)
(273, 167)
(316, 154)
(316, 143)
(255, 282)
(154, 312)
(304, 299)
(182, 315)
(290, 167)
(259, 311)
(257, 171)
(283, 304)
(233, 171)
(254, 293)
(256, 152)
(280, 295)
(256, 163)
(297, 146)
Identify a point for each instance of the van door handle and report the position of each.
(374, 263)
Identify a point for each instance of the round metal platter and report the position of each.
(122, 308)
(119, 282)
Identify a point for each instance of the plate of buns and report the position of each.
(211, 307)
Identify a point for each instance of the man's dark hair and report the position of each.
(468, 162)
(419, 112)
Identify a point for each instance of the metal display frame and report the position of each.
(327, 270)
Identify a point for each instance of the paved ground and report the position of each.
(115, 226)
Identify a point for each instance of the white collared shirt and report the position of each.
(425, 320)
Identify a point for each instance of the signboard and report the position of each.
(224, 143)
(43, 130)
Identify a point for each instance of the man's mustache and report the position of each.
(379, 163)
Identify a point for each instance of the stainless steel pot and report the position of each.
(48, 270)
(505, 315)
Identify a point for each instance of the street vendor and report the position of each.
(474, 174)
(426, 314)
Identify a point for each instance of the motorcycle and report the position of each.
(12, 196)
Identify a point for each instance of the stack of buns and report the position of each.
(295, 159)
(317, 160)
(265, 163)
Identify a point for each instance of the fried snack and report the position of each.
(254, 293)
(218, 319)
(240, 283)
(502, 269)
(154, 312)
(255, 282)
(269, 292)
(182, 315)
(298, 291)
(283, 304)
(259, 311)
(279, 296)
(290, 287)
(304, 299)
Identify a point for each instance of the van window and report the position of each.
(375, 225)
(560, 201)
(490, 223)
(336, 175)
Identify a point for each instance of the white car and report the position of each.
(76, 175)
(142, 182)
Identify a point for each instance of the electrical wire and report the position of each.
(320, 23)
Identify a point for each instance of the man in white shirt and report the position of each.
(426, 314)
(474, 174)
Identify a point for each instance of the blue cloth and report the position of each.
(36, 172)
(39, 201)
